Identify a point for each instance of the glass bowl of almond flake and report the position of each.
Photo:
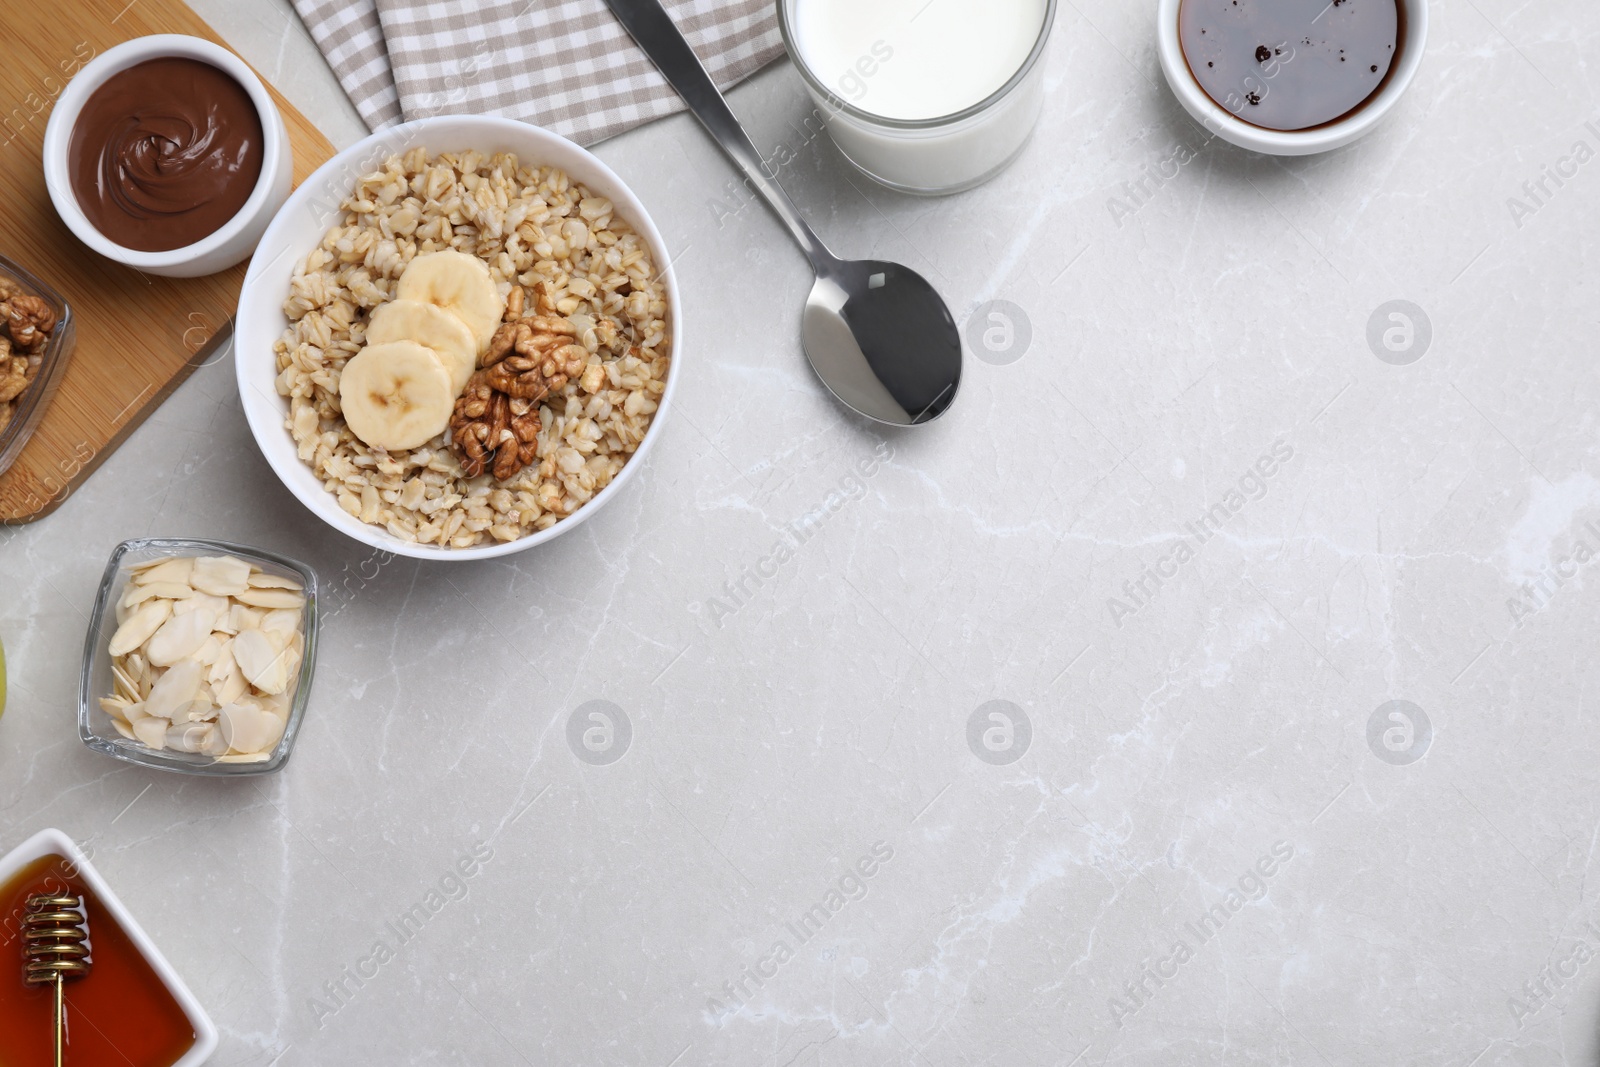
(199, 657)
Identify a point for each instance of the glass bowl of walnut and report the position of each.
(36, 332)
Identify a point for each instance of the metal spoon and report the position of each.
(876, 333)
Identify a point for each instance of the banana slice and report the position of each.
(396, 395)
(458, 283)
(432, 327)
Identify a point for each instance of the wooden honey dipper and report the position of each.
(55, 934)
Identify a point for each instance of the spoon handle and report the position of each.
(660, 39)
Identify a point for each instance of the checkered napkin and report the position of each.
(567, 65)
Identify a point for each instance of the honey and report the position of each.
(118, 1015)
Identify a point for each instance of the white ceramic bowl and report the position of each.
(54, 842)
(229, 245)
(300, 226)
(1230, 128)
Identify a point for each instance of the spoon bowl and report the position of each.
(882, 341)
(877, 334)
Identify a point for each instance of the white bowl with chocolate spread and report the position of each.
(1290, 77)
(167, 154)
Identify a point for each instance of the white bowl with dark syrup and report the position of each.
(1290, 77)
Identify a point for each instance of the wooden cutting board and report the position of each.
(139, 336)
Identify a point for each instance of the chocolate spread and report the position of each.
(165, 153)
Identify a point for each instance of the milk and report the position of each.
(926, 58)
(899, 79)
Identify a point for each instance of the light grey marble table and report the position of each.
(1196, 835)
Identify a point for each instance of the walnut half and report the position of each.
(14, 378)
(492, 430)
(533, 355)
(29, 320)
(536, 373)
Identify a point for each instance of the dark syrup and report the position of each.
(1292, 64)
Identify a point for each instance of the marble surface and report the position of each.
(1194, 835)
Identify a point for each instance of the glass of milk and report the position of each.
(924, 96)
